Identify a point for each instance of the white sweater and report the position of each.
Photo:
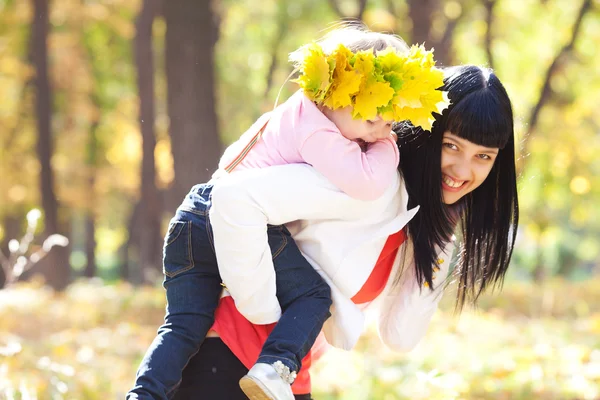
(340, 236)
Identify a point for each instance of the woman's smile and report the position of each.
(451, 184)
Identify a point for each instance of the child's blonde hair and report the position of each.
(356, 37)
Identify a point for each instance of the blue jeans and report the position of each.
(193, 287)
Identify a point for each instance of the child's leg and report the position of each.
(192, 284)
(304, 297)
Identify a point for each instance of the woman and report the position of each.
(461, 177)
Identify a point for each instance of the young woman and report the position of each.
(460, 177)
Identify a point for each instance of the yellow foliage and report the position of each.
(314, 73)
(87, 342)
(345, 81)
(395, 86)
(164, 163)
(372, 94)
(580, 185)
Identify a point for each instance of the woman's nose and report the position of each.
(461, 170)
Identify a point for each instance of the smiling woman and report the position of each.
(465, 166)
(463, 175)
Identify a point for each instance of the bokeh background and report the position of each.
(110, 110)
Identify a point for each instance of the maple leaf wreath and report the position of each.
(397, 87)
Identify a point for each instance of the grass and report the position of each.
(527, 342)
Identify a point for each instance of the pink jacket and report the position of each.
(298, 132)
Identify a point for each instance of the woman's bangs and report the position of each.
(481, 119)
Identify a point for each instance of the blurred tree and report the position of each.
(360, 7)
(432, 23)
(92, 151)
(546, 91)
(282, 20)
(99, 145)
(17, 139)
(192, 31)
(56, 265)
(90, 212)
(489, 22)
(149, 227)
(545, 220)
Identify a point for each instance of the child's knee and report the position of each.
(187, 328)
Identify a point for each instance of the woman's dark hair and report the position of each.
(480, 112)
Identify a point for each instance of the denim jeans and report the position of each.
(193, 287)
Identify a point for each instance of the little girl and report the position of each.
(354, 84)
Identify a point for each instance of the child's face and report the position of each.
(358, 130)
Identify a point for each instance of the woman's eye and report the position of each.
(450, 146)
(370, 122)
(484, 156)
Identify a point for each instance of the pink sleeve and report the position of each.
(362, 175)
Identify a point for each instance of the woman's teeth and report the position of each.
(451, 182)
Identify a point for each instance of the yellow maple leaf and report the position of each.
(390, 60)
(422, 56)
(346, 81)
(315, 75)
(364, 63)
(435, 101)
(409, 95)
(388, 115)
(417, 116)
(341, 95)
(372, 96)
(343, 55)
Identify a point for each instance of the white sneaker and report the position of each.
(264, 383)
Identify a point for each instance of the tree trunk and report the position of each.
(421, 14)
(280, 35)
(90, 213)
(150, 241)
(129, 248)
(56, 266)
(189, 45)
(90, 244)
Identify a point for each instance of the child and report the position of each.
(354, 84)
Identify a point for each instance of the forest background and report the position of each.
(111, 110)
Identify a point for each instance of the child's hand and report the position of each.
(394, 136)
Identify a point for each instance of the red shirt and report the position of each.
(245, 339)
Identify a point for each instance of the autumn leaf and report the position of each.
(345, 80)
(372, 96)
(389, 60)
(341, 95)
(315, 73)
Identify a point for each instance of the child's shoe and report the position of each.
(266, 382)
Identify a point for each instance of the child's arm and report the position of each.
(245, 202)
(407, 310)
(362, 175)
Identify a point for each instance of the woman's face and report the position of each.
(465, 165)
